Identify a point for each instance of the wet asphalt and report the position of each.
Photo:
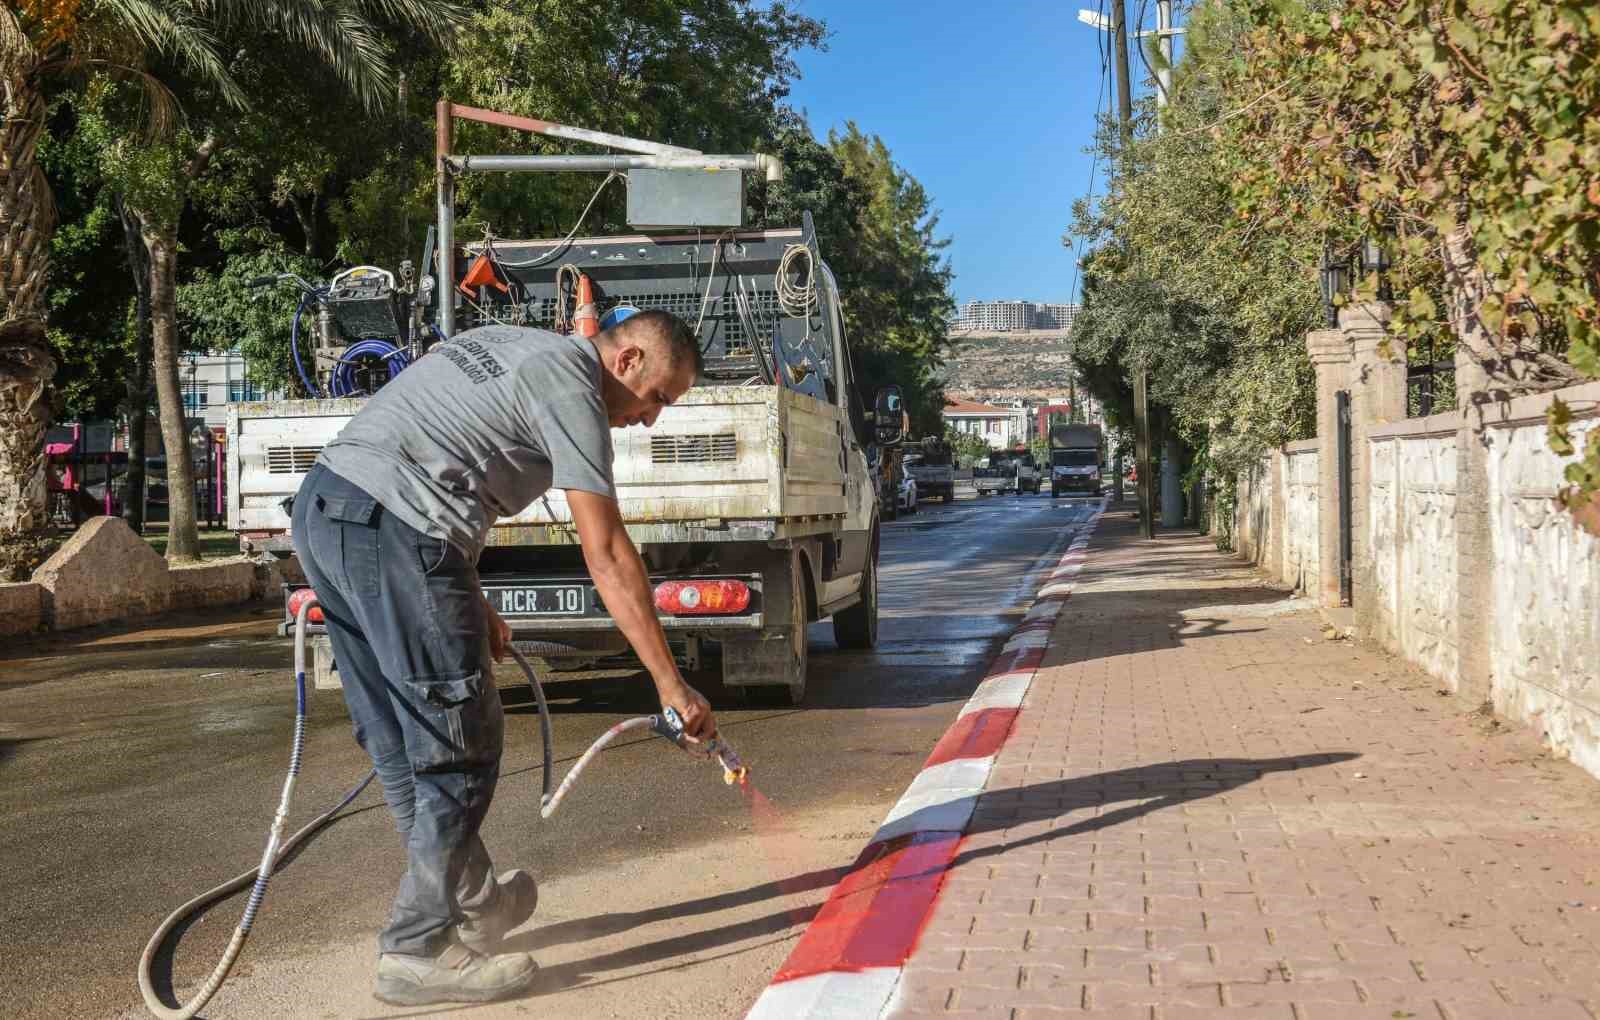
(140, 765)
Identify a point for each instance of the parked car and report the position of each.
(905, 500)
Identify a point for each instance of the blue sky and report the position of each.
(989, 105)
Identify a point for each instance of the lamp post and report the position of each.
(1333, 276)
(1375, 260)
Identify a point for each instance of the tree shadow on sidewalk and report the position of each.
(1145, 789)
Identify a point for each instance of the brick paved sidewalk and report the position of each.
(1208, 809)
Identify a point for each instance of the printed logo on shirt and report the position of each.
(473, 358)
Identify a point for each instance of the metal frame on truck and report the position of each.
(753, 488)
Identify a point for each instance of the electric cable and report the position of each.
(744, 307)
(797, 300)
(711, 275)
(565, 241)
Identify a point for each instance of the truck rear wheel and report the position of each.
(857, 627)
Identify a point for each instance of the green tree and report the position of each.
(157, 176)
(41, 44)
(898, 305)
(1184, 282)
(1462, 129)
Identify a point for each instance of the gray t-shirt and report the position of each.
(479, 428)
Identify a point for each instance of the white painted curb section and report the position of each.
(940, 799)
(1004, 691)
(837, 995)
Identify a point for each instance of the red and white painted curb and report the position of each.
(847, 964)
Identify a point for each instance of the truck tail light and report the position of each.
(298, 598)
(702, 598)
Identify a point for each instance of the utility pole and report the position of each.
(1141, 397)
(1171, 496)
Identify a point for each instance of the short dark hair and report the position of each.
(682, 345)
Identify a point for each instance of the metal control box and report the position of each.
(685, 198)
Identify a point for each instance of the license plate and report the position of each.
(539, 600)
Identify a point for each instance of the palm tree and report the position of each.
(39, 42)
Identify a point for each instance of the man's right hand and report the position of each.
(692, 707)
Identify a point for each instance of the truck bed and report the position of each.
(719, 463)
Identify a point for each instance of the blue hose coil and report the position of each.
(294, 349)
(395, 360)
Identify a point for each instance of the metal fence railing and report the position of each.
(1430, 388)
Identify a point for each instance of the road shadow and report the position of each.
(1140, 791)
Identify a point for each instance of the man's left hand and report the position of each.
(499, 634)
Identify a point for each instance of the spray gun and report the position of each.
(669, 725)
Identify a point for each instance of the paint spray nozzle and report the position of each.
(670, 725)
(733, 770)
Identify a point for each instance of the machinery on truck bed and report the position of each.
(750, 498)
(1075, 459)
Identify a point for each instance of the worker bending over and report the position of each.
(389, 524)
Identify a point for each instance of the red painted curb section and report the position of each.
(875, 914)
(977, 735)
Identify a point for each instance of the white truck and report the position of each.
(750, 499)
(1075, 459)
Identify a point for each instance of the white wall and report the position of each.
(1545, 641)
(1298, 491)
(1411, 538)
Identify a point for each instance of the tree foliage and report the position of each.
(1466, 131)
(1461, 134)
(306, 175)
(1183, 283)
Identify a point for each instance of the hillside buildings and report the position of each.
(1013, 316)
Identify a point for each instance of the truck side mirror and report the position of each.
(888, 415)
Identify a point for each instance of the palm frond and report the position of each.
(346, 35)
(184, 32)
(164, 109)
(438, 20)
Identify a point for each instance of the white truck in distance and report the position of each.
(1075, 460)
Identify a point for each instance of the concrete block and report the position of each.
(103, 572)
(212, 583)
(21, 608)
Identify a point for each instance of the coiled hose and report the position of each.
(278, 848)
(343, 380)
(262, 873)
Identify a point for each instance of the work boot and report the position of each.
(514, 903)
(456, 975)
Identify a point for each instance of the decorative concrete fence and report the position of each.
(1411, 537)
(1544, 576)
(1461, 560)
(1276, 515)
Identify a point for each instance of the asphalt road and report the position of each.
(139, 766)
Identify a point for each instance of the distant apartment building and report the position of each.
(210, 382)
(1010, 316)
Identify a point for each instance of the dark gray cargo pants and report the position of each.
(408, 624)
